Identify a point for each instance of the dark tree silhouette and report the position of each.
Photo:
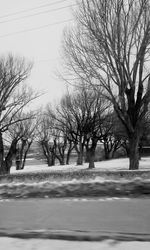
(110, 46)
(14, 97)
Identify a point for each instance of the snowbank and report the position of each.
(38, 244)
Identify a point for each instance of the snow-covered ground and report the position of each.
(115, 164)
(38, 244)
(45, 182)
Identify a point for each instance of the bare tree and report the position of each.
(111, 134)
(46, 138)
(61, 145)
(14, 97)
(8, 152)
(111, 47)
(81, 114)
(18, 136)
(71, 115)
(28, 129)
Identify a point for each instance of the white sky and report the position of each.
(42, 45)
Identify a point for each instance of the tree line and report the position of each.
(81, 121)
(109, 46)
(106, 56)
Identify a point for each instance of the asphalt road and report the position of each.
(127, 216)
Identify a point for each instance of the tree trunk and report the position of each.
(25, 154)
(68, 154)
(91, 158)
(49, 153)
(87, 151)
(91, 153)
(10, 156)
(8, 165)
(52, 159)
(5, 164)
(134, 153)
(140, 150)
(18, 164)
(62, 161)
(49, 161)
(61, 158)
(107, 152)
(19, 156)
(87, 155)
(80, 158)
(2, 168)
(109, 149)
(79, 151)
(18, 159)
(68, 157)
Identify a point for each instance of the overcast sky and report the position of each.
(33, 29)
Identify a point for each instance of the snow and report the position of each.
(38, 244)
(110, 165)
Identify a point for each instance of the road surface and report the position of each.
(74, 219)
(120, 215)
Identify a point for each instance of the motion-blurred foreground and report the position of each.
(65, 207)
(98, 187)
(95, 223)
